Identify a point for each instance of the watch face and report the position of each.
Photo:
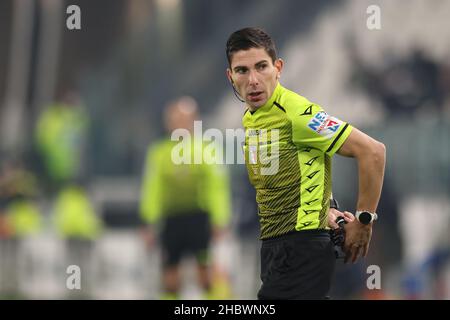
(365, 217)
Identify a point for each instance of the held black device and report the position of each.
(338, 235)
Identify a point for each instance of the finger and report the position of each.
(349, 217)
(359, 251)
(354, 254)
(366, 249)
(333, 225)
(336, 213)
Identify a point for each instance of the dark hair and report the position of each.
(247, 38)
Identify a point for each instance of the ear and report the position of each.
(229, 76)
(279, 63)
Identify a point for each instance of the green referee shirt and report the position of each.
(173, 189)
(289, 142)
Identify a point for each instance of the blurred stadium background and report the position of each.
(132, 56)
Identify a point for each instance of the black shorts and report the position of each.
(185, 234)
(298, 265)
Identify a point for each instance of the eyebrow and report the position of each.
(244, 67)
(261, 62)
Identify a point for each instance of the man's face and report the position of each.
(181, 114)
(254, 75)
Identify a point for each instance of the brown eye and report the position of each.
(262, 66)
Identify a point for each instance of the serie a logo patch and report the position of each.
(324, 124)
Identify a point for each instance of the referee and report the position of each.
(186, 205)
(289, 142)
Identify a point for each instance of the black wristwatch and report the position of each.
(366, 217)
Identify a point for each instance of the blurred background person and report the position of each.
(20, 219)
(77, 223)
(189, 203)
(61, 133)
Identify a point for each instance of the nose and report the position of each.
(252, 78)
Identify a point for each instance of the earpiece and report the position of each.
(235, 91)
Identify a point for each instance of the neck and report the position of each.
(252, 108)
